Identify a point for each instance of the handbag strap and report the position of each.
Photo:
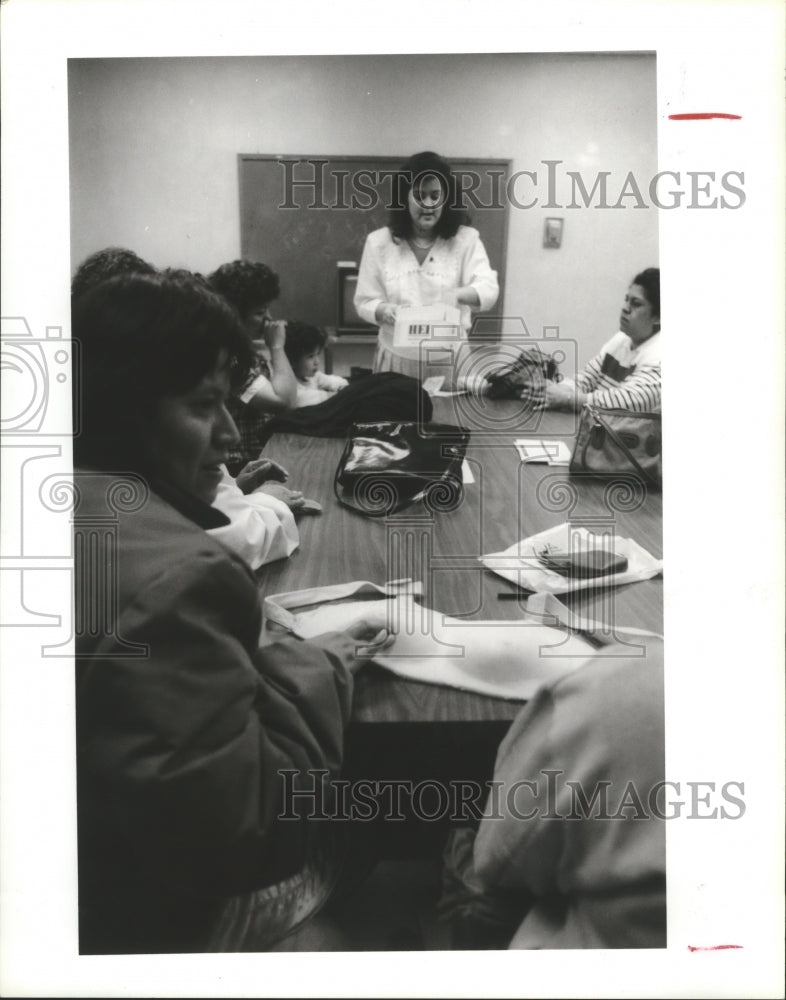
(622, 446)
(340, 466)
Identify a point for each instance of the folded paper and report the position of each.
(521, 563)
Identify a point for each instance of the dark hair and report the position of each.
(105, 264)
(141, 338)
(649, 281)
(245, 284)
(302, 339)
(415, 170)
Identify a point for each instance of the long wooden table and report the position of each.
(407, 730)
(509, 500)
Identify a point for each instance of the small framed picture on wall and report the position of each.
(552, 233)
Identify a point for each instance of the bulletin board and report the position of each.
(302, 215)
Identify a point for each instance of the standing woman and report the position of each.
(425, 255)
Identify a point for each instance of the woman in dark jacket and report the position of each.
(184, 724)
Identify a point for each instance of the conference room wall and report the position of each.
(154, 144)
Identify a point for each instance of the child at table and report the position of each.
(303, 348)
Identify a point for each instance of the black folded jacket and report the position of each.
(378, 397)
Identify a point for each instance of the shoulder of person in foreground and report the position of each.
(603, 723)
(614, 685)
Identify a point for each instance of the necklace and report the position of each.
(422, 244)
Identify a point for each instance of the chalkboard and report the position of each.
(303, 215)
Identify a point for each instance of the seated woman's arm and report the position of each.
(640, 391)
(588, 379)
(261, 528)
(279, 392)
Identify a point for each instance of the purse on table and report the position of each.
(612, 441)
(389, 465)
(521, 376)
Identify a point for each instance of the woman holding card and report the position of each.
(427, 255)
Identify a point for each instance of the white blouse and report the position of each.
(389, 272)
(261, 528)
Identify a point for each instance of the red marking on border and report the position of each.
(702, 116)
(714, 947)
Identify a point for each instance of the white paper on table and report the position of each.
(450, 392)
(284, 609)
(433, 384)
(502, 659)
(553, 451)
(520, 563)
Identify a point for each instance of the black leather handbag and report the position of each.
(389, 465)
(613, 441)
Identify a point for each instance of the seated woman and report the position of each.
(270, 387)
(261, 528)
(427, 254)
(626, 373)
(184, 724)
(304, 346)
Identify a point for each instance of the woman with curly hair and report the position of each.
(250, 287)
(426, 254)
(104, 264)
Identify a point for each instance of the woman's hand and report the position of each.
(562, 396)
(275, 334)
(253, 474)
(360, 641)
(280, 392)
(385, 313)
(294, 499)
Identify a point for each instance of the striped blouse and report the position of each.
(622, 376)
